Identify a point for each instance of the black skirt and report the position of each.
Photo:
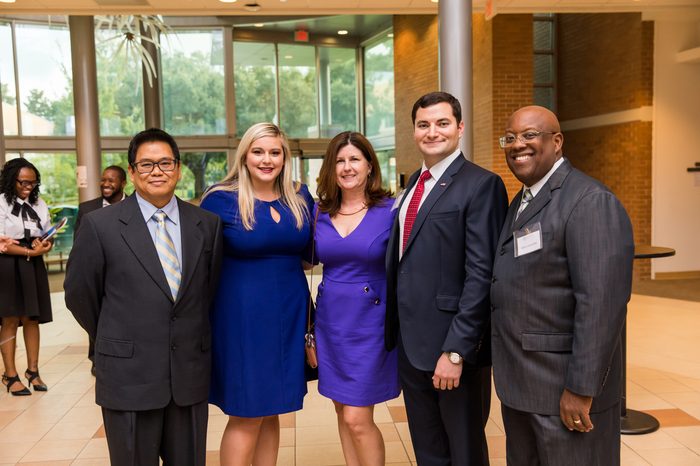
(24, 287)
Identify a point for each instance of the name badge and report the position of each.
(528, 239)
(30, 225)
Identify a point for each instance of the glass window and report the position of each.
(311, 168)
(122, 160)
(544, 97)
(45, 71)
(387, 163)
(7, 81)
(254, 74)
(379, 88)
(193, 83)
(58, 182)
(11, 155)
(297, 75)
(200, 170)
(119, 85)
(338, 90)
(543, 35)
(543, 69)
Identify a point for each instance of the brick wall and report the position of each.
(512, 83)
(415, 74)
(483, 91)
(605, 64)
(600, 64)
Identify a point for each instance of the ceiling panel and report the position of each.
(334, 4)
(385, 4)
(179, 4)
(65, 3)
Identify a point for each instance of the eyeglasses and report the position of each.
(28, 184)
(165, 165)
(526, 137)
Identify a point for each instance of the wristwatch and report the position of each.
(454, 358)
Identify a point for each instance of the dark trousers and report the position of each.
(538, 440)
(177, 434)
(447, 426)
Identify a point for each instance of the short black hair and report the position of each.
(151, 135)
(8, 178)
(434, 98)
(118, 169)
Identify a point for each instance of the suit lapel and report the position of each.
(438, 190)
(192, 243)
(539, 202)
(139, 240)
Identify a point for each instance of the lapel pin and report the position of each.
(443, 184)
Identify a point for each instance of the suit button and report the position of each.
(366, 289)
(323, 284)
(493, 308)
(174, 347)
(174, 317)
(493, 279)
(503, 251)
(377, 302)
(319, 294)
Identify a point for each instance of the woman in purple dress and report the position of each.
(352, 230)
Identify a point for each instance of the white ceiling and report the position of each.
(331, 7)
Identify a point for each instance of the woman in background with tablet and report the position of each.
(24, 288)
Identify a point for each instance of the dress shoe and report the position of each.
(8, 381)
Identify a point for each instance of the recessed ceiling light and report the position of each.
(7, 1)
(342, 32)
(251, 7)
(434, 1)
(390, 35)
(287, 56)
(227, 1)
(258, 25)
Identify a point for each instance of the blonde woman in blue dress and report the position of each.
(258, 318)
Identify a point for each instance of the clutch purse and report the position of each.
(309, 338)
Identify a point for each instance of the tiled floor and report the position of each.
(64, 426)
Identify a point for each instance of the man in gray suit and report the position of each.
(140, 279)
(561, 282)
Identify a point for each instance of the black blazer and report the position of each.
(438, 294)
(148, 349)
(558, 311)
(85, 208)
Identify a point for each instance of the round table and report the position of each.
(635, 422)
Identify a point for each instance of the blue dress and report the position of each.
(258, 319)
(354, 368)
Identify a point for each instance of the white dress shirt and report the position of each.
(106, 203)
(172, 221)
(13, 226)
(436, 172)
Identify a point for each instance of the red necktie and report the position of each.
(413, 207)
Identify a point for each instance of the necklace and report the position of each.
(364, 206)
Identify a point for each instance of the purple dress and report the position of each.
(354, 368)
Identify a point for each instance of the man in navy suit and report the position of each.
(561, 283)
(439, 261)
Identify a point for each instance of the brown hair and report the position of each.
(328, 190)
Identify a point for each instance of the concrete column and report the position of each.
(455, 45)
(87, 115)
(151, 94)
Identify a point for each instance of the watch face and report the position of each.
(454, 357)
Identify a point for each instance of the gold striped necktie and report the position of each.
(167, 254)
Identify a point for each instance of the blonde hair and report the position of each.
(238, 178)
